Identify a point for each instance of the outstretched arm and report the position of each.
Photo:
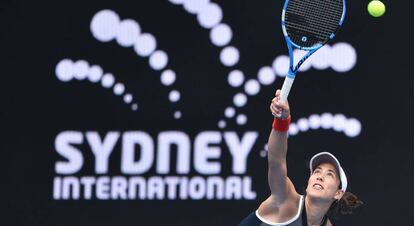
(280, 185)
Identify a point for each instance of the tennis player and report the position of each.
(326, 192)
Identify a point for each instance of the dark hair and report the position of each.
(344, 206)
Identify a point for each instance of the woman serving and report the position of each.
(326, 192)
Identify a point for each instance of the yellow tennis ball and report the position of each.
(376, 8)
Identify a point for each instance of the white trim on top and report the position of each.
(286, 222)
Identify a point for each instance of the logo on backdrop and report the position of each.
(141, 153)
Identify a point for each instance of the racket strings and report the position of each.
(321, 8)
(315, 20)
(313, 36)
(319, 22)
(324, 20)
(318, 5)
(330, 19)
(313, 32)
(316, 31)
(312, 18)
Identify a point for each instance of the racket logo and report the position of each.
(304, 39)
(296, 68)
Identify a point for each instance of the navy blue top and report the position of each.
(254, 219)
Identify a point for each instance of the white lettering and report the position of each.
(165, 140)
(102, 150)
(137, 156)
(133, 188)
(102, 188)
(203, 152)
(135, 182)
(119, 188)
(87, 183)
(128, 163)
(63, 146)
(155, 188)
(172, 183)
(233, 188)
(70, 184)
(240, 150)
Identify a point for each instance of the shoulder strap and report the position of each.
(304, 217)
(324, 221)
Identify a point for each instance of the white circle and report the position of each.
(221, 124)
(281, 65)
(134, 107)
(64, 70)
(128, 32)
(314, 121)
(108, 80)
(241, 119)
(104, 25)
(229, 56)
(174, 96)
(303, 124)
(236, 78)
(229, 112)
(195, 6)
(80, 69)
(158, 60)
(119, 89)
(326, 120)
(210, 15)
(339, 121)
(128, 98)
(177, 114)
(145, 45)
(322, 57)
(95, 73)
(252, 87)
(221, 35)
(343, 57)
(266, 75)
(168, 77)
(293, 129)
(240, 100)
(352, 128)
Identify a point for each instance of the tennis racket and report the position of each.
(308, 25)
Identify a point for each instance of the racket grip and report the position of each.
(284, 93)
(287, 85)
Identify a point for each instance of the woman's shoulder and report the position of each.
(280, 212)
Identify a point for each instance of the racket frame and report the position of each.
(290, 77)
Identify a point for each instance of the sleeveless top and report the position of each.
(254, 219)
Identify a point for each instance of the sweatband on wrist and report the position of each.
(281, 125)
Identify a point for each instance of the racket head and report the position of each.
(310, 24)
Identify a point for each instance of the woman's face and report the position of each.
(324, 183)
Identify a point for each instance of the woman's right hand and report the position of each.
(279, 108)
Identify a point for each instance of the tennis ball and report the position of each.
(376, 8)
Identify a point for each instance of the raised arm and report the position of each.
(280, 185)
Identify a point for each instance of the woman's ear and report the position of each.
(338, 195)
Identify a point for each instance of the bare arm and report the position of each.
(280, 185)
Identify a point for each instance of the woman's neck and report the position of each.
(316, 211)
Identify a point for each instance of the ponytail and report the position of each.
(345, 205)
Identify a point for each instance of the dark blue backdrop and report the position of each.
(38, 105)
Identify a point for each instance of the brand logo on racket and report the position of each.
(304, 38)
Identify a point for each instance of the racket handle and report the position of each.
(287, 85)
(284, 93)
